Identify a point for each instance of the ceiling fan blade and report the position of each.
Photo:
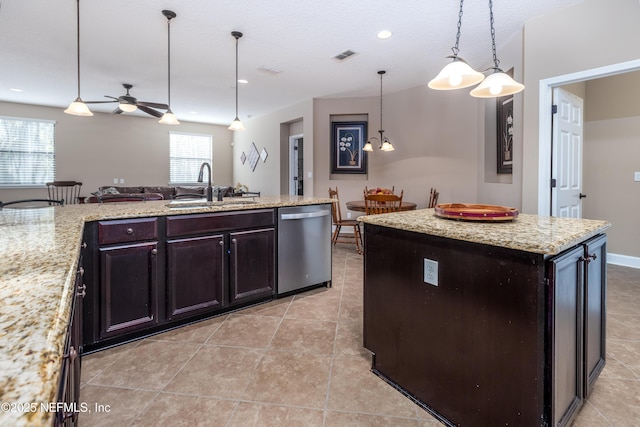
(117, 111)
(153, 105)
(149, 111)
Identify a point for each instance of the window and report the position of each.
(187, 151)
(27, 152)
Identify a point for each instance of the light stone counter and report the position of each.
(528, 233)
(38, 259)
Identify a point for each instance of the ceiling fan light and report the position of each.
(497, 84)
(456, 75)
(236, 124)
(169, 118)
(127, 108)
(78, 108)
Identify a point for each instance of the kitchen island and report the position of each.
(487, 323)
(39, 279)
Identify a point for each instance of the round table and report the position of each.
(358, 206)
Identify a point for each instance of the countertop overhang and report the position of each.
(529, 233)
(39, 251)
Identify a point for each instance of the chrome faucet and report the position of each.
(209, 191)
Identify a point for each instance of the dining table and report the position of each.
(358, 206)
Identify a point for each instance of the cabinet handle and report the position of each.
(594, 256)
(81, 271)
(72, 354)
(154, 251)
(129, 231)
(84, 245)
(82, 291)
(234, 241)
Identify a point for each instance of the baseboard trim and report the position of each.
(623, 260)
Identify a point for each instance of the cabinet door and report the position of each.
(128, 288)
(252, 265)
(195, 275)
(566, 281)
(595, 310)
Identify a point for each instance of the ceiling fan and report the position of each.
(129, 104)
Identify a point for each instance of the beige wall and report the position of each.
(592, 34)
(435, 136)
(95, 150)
(271, 132)
(611, 156)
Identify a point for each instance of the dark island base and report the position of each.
(476, 350)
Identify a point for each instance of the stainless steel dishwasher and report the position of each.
(304, 247)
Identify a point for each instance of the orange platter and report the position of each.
(473, 212)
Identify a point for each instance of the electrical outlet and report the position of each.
(636, 176)
(121, 180)
(115, 180)
(431, 272)
(348, 215)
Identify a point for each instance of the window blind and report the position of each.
(187, 151)
(27, 151)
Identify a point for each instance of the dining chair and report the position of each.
(382, 203)
(338, 223)
(433, 198)
(67, 190)
(32, 203)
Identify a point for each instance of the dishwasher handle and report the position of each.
(304, 215)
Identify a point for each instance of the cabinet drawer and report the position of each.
(181, 225)
(129, 230)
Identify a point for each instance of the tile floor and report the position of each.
(299, 361)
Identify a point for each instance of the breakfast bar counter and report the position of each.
(487, 322)
(39, 251)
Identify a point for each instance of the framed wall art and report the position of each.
(504, 114)
(347, 141)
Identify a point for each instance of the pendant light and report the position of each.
(498, 83)
(457, 74)
(169, 118)
(78, 107)
(384, 143)
(236, 124)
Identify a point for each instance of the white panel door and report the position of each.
(566, 165)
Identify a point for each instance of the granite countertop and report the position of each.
(39, 249)
(528, 233)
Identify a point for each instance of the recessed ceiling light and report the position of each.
(243, 81)
(384, 34)
(13, 89)
(193, 112)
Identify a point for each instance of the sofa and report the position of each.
(112, 193)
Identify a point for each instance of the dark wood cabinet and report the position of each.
(195, 275)
(503, 339)
(128, 288)
(69, 385)
(577, 283)
(251, 265)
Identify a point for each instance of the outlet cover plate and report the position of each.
(431, 272)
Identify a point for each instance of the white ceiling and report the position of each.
(125, 41)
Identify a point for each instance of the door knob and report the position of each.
(582, 196)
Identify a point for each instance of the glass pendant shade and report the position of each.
(169, 118)
(127, 108)
(386, 145)
(497, 84)
(456, 75)
(236, 124)
(78, 108)
(368, 146)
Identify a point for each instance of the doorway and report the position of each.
(296, 169)
(546, 88)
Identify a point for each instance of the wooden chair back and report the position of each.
(433, 198)
(382, 203)
(335, 211)
(69, 191)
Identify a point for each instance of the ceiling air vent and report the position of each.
(269, 70)
(344, 55)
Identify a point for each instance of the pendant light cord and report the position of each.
(78, 43)
(381, 131)
(237, 37)
(169, 62)
(496, 62)
(455, 48)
